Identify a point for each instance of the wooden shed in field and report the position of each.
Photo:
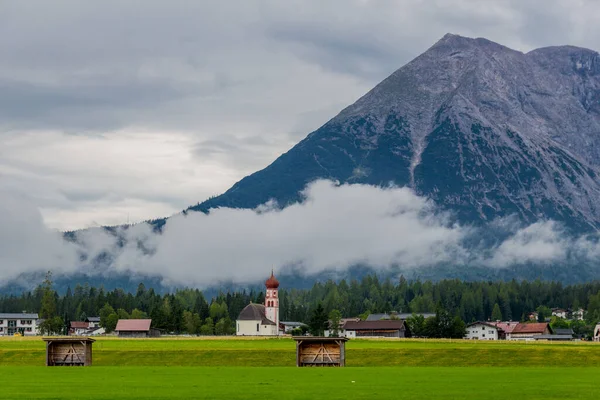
(69, 351)
(313, 351)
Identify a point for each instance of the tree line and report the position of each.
(188, 311)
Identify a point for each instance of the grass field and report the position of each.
(243, 369)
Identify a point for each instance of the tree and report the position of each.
(52, 323)
(496, 313)
(137, 314)
(192, 322)
(123, 314)
(543, 313)
(335, 317)
(318, 321)
(111, 322)
(208, 328)
(416, 325)
(105, 311)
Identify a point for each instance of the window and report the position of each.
(1, 322)
(257, 327)
(28, 329)
(23, 322)
(491, 332)
(1, 329)
(29, 322)
(483, 335)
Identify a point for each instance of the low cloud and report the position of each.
(335, 227)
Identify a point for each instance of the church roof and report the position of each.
(255, 312)
(272, 282)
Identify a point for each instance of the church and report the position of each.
(261, 319)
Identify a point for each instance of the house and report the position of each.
(560, 313)
(578, 314)
(596, 337)
(135, 328)
(532, 316)
(528, 331)
(483, 331)
(506, 328)
(261, 319)
(23, 323)
(289, 326)
(93, 322)
(394, 328)
(78, 328)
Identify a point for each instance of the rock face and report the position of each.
(483, 130)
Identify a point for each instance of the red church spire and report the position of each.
(272, 282)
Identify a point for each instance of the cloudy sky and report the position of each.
(112, 110)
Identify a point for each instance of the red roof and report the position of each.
(135, 325)
(272, 282)
(539, 327)
(80, 325)
(507, 327)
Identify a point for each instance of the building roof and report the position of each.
(554, 337)
(563, 331)
(59, 339)
(292, 323)
(79, 325)
(255, 312)
(374, 325)
(272, 282)
(489, 324)
(18, 316)
(319, 339)
(93, 319)
(507, 327)
(537, 327)
(380, 316)
(133, 325)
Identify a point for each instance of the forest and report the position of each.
(189, 311)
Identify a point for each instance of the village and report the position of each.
(264, 320)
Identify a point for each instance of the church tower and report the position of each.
(272, 300)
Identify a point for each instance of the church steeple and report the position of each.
(272, 299)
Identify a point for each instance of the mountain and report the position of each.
(483, 130)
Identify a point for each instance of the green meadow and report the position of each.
(241, 369)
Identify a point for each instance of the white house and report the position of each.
(23, 323)
(560, 313)
(578, 314)
(482, 331)
(261, 319)
(596, 337)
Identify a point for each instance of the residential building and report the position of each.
(483, 331)
(506, 328)
(93, 322)
(289, 326)
(528, 331)
(393, 328)
(135, 328)
(578, 314)
(596, 337)
(24, 323)
(560, 313)
(78, 328)
(261, 319)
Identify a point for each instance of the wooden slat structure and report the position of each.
(312, 351)
(68, 351)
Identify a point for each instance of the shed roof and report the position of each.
(133, 325)
(93, 319)
(536, 327)
(319, 339)
(554, 337)
(18, 316)
(371, 325)
(79, 324)
(58, 339)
